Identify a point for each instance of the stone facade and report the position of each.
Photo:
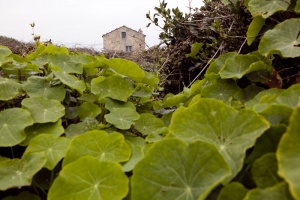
(124, 39)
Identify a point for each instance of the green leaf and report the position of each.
(105, 147)
(136, 155)
(283, 39)
(126, 68)
(9, 88)
(54, 148)
(241, 65)
(55, 129)
(297, 7)
(114, 87)
(148, 123)
(13, 121)
(43, 110)
(89, 178)
(65, 62)
(19, 172)
(40, 86)
(122, 118)
(195, 48)
(290, 96)
(233, 191)
(254, 28)
(277, 114)
(214, 68)
(266, 8)
(263, 99)
(4, 55)
(112, 105)
(232, 132)
(173, 169)
(277, 192)
(24, 195)
(221, 90)
(288, 154)
(248, 93)
(267, 143)
(88, 109)
(70, 80)
(264, 171)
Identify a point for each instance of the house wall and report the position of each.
(113, 41)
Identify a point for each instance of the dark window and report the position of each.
(128, 48)
(123, 34)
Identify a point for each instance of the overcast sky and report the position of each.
(79, 22)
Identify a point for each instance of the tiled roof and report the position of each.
(122, 27)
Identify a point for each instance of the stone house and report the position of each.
(124, 39)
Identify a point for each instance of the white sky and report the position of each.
(80, 22)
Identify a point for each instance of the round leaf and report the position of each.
(19, 172)
(98, 144)
(266, 8)
(9, 88)
(88, 109)
(54, 148)
(12, 124)
(40, 86)
(114, 87)
(173, 169)
(264, 171)
(122, 118)
(233, 191)
(127, 68)
(65, 62)
(89, 178)
(232, 132)
(54, 129)
(283, 39)
(288, 154)
(70, 80)
(43, 110)
(277, 192)
(148, 123)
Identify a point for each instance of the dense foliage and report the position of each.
(75, 126)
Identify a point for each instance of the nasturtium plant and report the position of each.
(19, 172)
(99, 144)
(70, 80)
(148, 123)
(266, 8)
(114, 87)
(55, 129)
(43, 110)
(277, 192)
(283, 39)
(288, 154)
(264, 171)
(254, 28)
(13, 121)
(122, 118)
(220, 89)
(90, 178)
(9, 88)
(232, 191)
(88, 109)
(65, 63)
(126, 68)
(36, 86)
(54, 148)
(4, 55)
(173, 169)
(231, 131)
